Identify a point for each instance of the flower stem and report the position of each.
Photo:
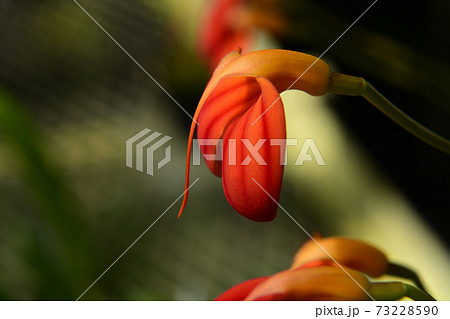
(402, 271)
(356, 86)
(395, 290)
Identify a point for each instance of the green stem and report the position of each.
(395, 290)
(402, 271)
(417, 294)
(355, 86)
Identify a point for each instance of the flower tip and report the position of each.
(183, 204)
(260, 217)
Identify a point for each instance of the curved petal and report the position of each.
(252, 167)
(314, 283)
(240, 291)
(350, 253)
(209, 88)
(285, 69)
(243, 289)
(229, 100)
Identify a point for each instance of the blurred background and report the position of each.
(70, 98)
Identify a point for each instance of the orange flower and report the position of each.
(220, 31)
(315, 276)
(354, 254)
(317, 281)
(241, 106)
(313, 283)
(228, 24)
